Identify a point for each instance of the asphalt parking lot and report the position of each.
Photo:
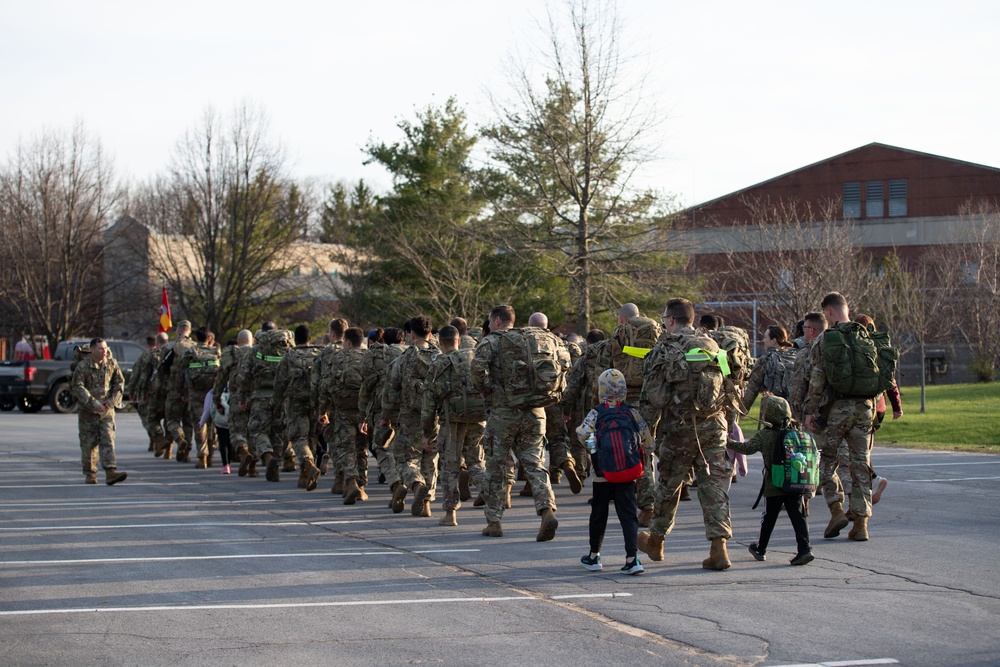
(188, 567)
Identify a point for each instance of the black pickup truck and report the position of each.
(29, 385)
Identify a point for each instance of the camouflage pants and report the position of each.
(850, 421)
(645, 486)
(678, 453)
(238, 433)
(416, 463)
(382, 437)
(179, 426)
(556, 437)
(266, 434)
(349, 447)
(97, 435)
(300, 430)
(844, 461)
(520, 432)
(195, 406)
(153, 427)
(460, 443)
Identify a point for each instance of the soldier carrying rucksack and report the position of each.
(773, 370)
(850, 366)
(197, 368)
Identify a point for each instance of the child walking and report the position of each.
(616, 434)
(777, 417)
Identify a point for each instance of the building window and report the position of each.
(874, 204)
(315, 272)
(897, 198)
(785, 279)
(296, 271)
(852, 200)
(970, 273)
(333, 273)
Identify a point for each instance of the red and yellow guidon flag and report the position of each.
(165, 321)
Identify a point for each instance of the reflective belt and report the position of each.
(698, 354)
(638, 352)
(203, 364)
(267, 357)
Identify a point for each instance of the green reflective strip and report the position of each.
(723, 362)
(267, 357)
(203, 364)
(639, 352)
(697, 354)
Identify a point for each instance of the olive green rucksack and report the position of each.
(534, 364)
(859, 361)
(639, 333)
(202, 365)
(81, 352)
(464, 404)
(688, 364)
(736, 342)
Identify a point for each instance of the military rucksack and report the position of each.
(691, 364)
(619, 457)
(415, 369)
(464, 405)
(298, 362)
(271, 347)
(779, 366)
(736, 342)
(795, 467)
(627, 343)
(533, 364)
(346, 385)
(201, 367)
(81, 352)
(859, 361)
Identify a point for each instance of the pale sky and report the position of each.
(746, 90)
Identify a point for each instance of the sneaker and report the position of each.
(878, 486)
(592, 564)
(635, 567)
(225, 470)
(802, 559)
(755, 552)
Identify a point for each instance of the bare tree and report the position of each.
(222, 220)
(566, 149)
(57, 195)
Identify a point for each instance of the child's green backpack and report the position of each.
(795, 468)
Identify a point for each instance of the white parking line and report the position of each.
(844, 663)
(950, 479)
(294, 605)
(74, 485)
(190, 525)
(934, 465)
(105, 503)
(323, 554)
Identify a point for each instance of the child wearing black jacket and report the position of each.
(777, 416)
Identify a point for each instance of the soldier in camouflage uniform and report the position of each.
(374, 371)
(267, 434)
(466, 342)
(293, 396)
(813, 325)
(401, 403)
(97, 387)
(229, 378)
(139, 388)
(684, 394)
(339, 395)
(511, 427)
(448, 395)
(180, 428)
(322, 372)
(833, 419)
(202, 362)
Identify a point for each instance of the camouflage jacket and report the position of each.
(255, 377)
(293, 379)
(175, 380)
(800, 380)
(443, 386)
(142, 373)
(374, 371)
(404, 383)
(230, 377)
(491, 371)
(321, 372)
(95, 383)
(467, 343)
(818, 393)
(342, 381)
(580, 394)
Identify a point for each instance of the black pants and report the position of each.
(794, 505)
(626, 508)
(225, 448)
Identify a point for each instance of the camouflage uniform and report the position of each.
(374, 371)
(180, 428)
(840, 419)
(460, 439)
(140, 386)
(401, 404)
(686, 441)
(196, 397)
(92, 385)
(800, 380)
(293, 396)
(348, 445)
(322, 372)
(510, 429)
(229, 377)
(265, 430)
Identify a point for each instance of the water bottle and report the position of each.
(592, 443)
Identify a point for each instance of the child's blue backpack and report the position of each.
(619, 456)
(795, 468)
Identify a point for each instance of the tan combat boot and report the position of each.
(167, 450)
(652, 545)
(464, 493)
(160, 443)
(506, 496)
(309, 476)
(338, 484)
(718, 557)
(202, 463)
(398, 496)
(246, 460)
(480, 500)
(526, 491)
(351, 491)
(112, 476)
(645, 516)
(419, 496)
(90, 478)
(859, 533)
(183, 452)
(272, 467)
(685, 492)
(449, 519)
(555, 476)
(364, 496)
(575, 483)
(838, 521)
(288, 464)
(425, 508)
(493, 529)
(208, 459)
(547, 530)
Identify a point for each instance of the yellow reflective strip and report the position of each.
(723, 359)
(639, 352)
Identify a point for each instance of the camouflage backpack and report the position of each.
(634, 338)
(298, 362)
(201, 365)
(416, 363)
(81, 352)
(860, 362)
(346, 384)
(779, 366)
(736, 342)
(464, 404)
(271, 347)
(686, 375)
(533, 364)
